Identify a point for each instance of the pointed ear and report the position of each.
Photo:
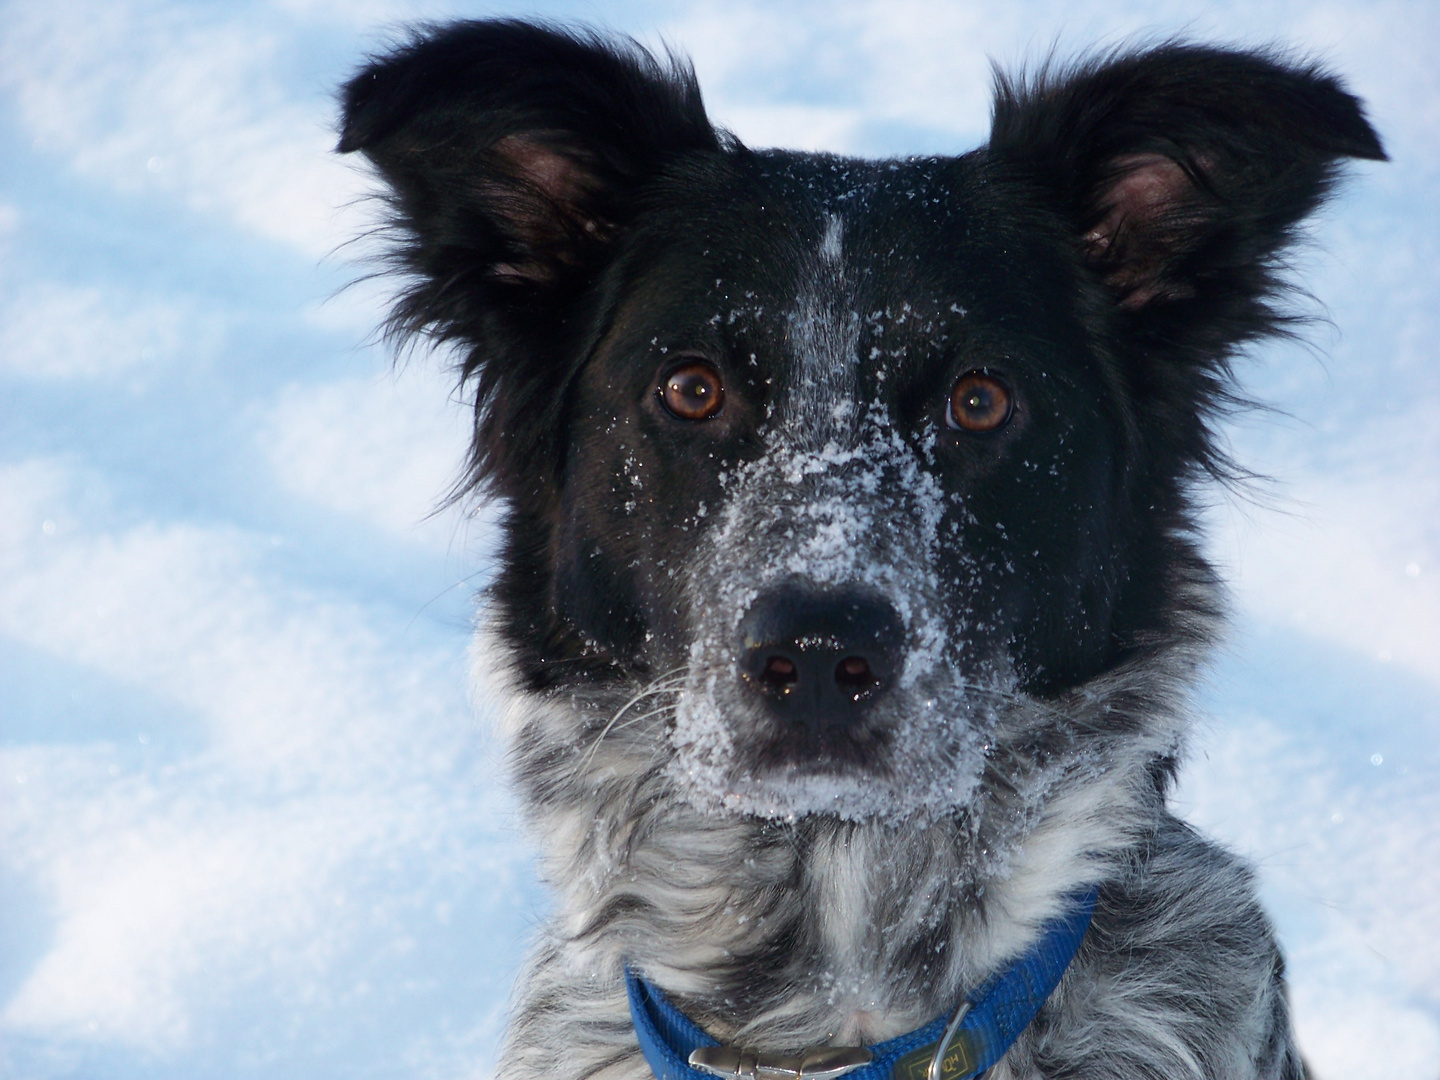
(1182, 170)
(513, 153)
(511, 148)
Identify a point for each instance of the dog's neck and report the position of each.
(782, 934)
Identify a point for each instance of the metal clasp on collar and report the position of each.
(937, 1060)
(816, 1063)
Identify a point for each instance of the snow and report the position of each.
(249, 822)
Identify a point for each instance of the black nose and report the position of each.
(820, 659)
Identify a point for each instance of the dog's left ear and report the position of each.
(1183, 171)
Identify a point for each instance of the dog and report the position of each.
(850, 589)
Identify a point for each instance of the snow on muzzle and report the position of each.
(820, 666)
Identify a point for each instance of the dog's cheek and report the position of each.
(598, 552)
(680, 501)
(632, 517)
(595, 588)
(1031, 560)
(1064, 573)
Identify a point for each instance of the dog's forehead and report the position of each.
(798, 244)
(878, 231)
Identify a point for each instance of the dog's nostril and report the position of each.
(854, 674)
(780, 673)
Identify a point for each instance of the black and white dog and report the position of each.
(850, 590)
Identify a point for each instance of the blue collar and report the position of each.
(980, 1032)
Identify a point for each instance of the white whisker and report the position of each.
(668, 683)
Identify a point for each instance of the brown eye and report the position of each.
(980, 403)
(693, 391)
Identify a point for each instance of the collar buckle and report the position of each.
(814, 1063)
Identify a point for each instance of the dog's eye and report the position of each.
(980, 403)
(693, 391)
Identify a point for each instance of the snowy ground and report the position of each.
(249, 824)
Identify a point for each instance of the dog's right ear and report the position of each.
(512, 152)
(510, 147)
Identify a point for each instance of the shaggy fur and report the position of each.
(1026, 605)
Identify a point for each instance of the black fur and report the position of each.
(564, 210)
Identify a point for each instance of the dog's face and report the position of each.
(864, 465)
(845, 456)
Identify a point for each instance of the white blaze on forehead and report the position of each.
(832, 243)
(824, 338)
